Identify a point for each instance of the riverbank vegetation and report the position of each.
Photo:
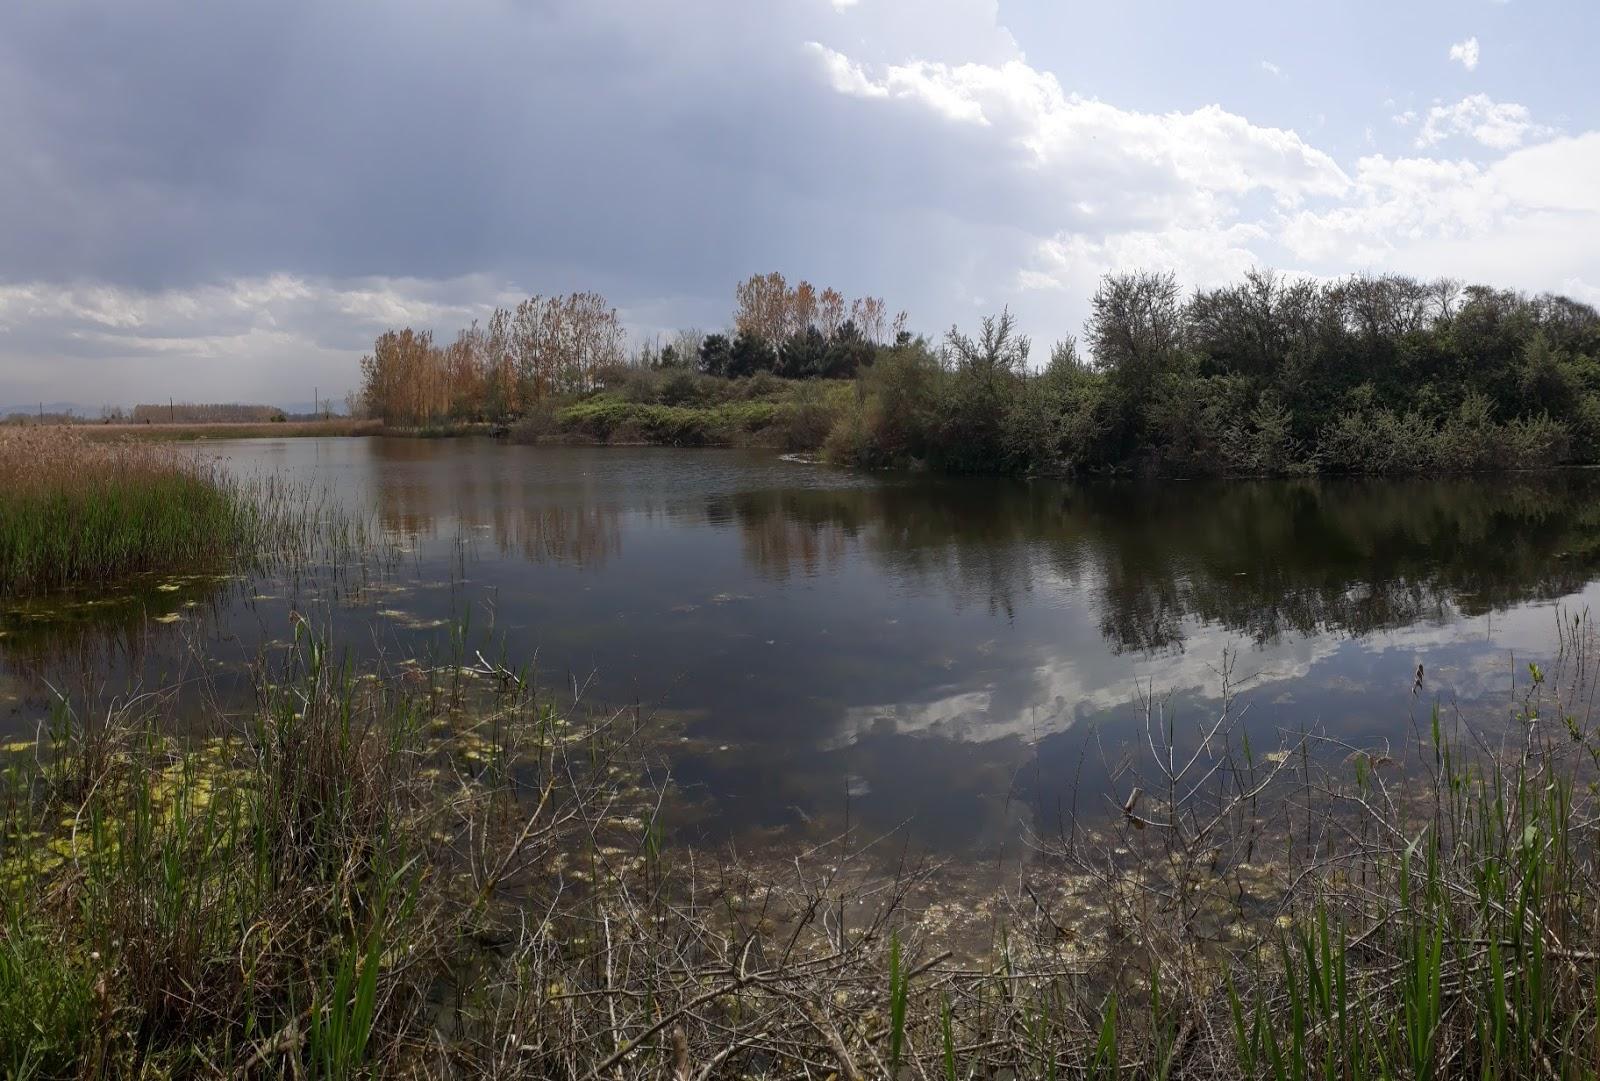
(681, 408)
(79, 512)
(80, 509)
(429, 872)
(1267, 376)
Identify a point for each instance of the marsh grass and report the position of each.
(431, 872)
(76, 512)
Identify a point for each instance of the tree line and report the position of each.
(565, 346)
(791, 331)
(543, 348)
(1269, 374)
(196, 413)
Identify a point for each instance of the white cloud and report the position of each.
(1202, 254)
(1466, 52)
(1496, 125)
(1101, 186)
(1531, 219)
(844, 74)
(1579, 289)
(1271, 69)
(267, 339)
(1207, 151)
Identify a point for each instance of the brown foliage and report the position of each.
(544, 346)
(767, 308)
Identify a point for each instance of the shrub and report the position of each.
(1534, 442)
(892, 418)
(804, 420)
(1378, 442)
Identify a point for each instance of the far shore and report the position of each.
(231, 430)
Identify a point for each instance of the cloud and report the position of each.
(1272, 69)
(844, 75)
(1531, 218)
(1466, 52)
(271, 186)
(1094, 185)
(1075, 140)
(267, 339)
(1498, 126)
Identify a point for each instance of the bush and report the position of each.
(1378, 442)
(804, 420)
(892, 416)
(1534, 442)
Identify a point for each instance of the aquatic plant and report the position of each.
(76, 511)
(429, 872)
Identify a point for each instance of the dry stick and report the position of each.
(611, 1001)
(680, 1054)
(722, 1056)
(847, 1065)
(693, 1004)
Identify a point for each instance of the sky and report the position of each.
(227, 202)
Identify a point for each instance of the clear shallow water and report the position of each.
(961, 657)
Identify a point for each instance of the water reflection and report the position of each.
(960, 654)
(1262, 559)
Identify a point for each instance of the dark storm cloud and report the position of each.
(254, 187)
(168, 144)
(634, 148)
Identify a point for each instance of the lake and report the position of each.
(963, 659)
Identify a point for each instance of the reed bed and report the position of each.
(79, 512)
(430, 872)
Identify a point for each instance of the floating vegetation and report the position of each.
(410, 620)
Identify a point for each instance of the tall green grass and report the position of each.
(75, 512)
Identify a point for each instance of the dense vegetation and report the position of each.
(75, 511)
(683, 408)
(549, 351)
(86, 507)
(543, 348)
(427, 872)
(1266, 376)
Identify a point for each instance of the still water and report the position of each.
(959, 658)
